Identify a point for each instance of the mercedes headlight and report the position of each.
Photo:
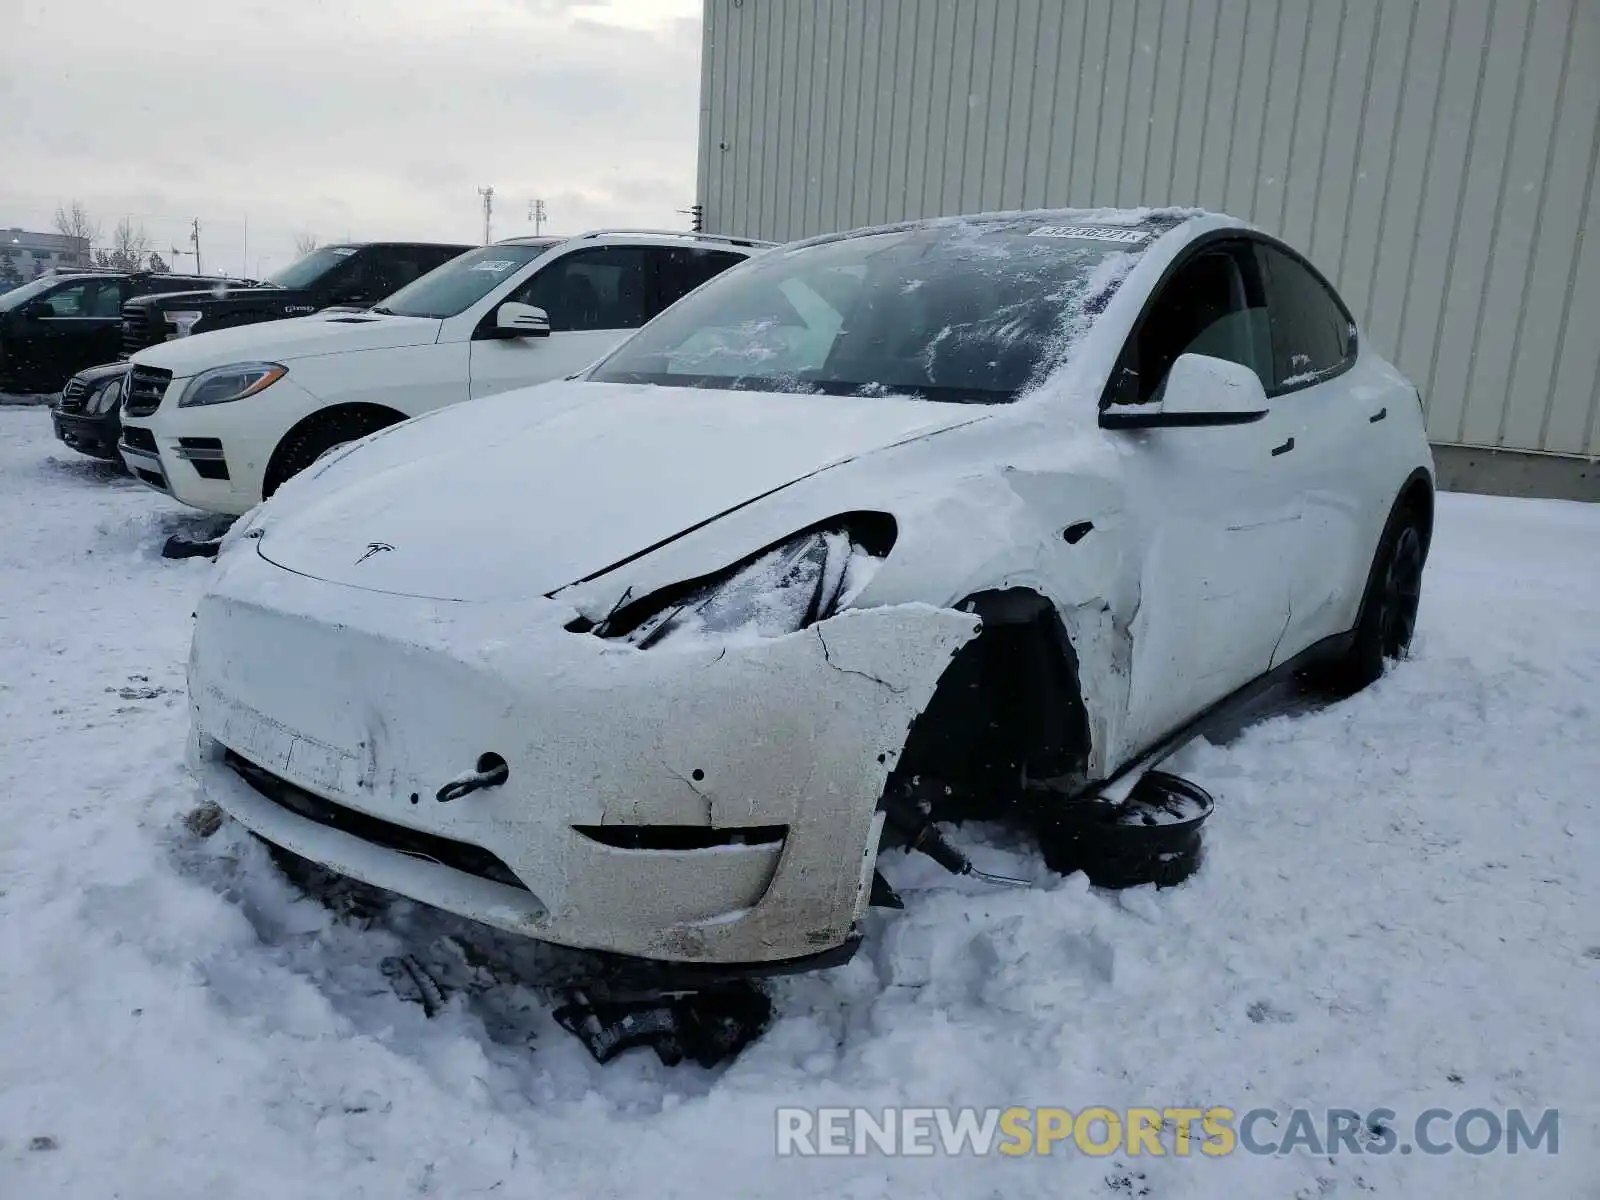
(106, 398)
(221, 385)
(785, 588)
(183, 321)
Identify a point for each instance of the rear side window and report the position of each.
(681, 269)
(1313, 337)
(103, 298)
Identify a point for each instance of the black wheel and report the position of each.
(1151, 837)
(1388, 609)
(316, 436)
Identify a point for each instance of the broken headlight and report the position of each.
(802, 580)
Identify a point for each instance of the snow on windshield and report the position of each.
(462, 282)
(970, 312)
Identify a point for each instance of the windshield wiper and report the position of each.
(381, 311)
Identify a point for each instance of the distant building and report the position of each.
(35, 253)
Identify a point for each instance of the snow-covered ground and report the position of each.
(1400, 908)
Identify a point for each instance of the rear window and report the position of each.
(969, 313)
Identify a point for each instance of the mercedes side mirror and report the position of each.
(1200, 391)
(513, 320)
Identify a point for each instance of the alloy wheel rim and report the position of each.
(1402, 590)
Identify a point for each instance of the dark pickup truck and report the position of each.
(351, 275)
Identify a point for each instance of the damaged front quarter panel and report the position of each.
(801, 730)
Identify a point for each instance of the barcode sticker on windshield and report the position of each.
(1098, 233)
(494, 265)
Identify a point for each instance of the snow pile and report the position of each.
(1398, 908)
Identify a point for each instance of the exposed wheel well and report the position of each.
(1008, 710)
(345, 421)
(1416, 496)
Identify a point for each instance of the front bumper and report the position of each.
(94, 434)
(372, 702)
(201, 470)
(214, 457)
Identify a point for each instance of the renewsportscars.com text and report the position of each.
(1213, 1131)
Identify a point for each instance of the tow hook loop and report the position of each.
(491, 771)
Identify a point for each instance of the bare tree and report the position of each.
(129, 245)
(74, 221)
(158, 264)
(10, 276)
(305, 243)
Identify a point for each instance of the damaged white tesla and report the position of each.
(950, 519)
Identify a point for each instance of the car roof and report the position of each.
(394, 242)
(1151, 221)
(656, 237)
(69, 276)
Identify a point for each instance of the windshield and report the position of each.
(462, 282)
(19, 296)
(312, 267)
(971, 312)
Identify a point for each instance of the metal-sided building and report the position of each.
(1436, 157)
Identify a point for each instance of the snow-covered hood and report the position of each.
(285, 341)
(520, 494)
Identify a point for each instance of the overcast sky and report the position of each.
(346, 118)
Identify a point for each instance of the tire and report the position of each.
(1388, 607)
(313, 438)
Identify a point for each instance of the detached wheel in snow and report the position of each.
(1388, 609)
(318, 435)
(1151, 837)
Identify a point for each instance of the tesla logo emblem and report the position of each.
(373, 548)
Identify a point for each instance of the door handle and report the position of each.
(1283, 449)
(1378, 416)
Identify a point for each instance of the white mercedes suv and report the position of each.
(219, 420)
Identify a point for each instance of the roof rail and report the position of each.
(680, 233)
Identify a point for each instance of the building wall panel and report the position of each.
(1437, 157)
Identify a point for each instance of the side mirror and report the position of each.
(1200, 391)
(513, 320)
(39, 310)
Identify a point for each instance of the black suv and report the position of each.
(59, 324)
(354, 276)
